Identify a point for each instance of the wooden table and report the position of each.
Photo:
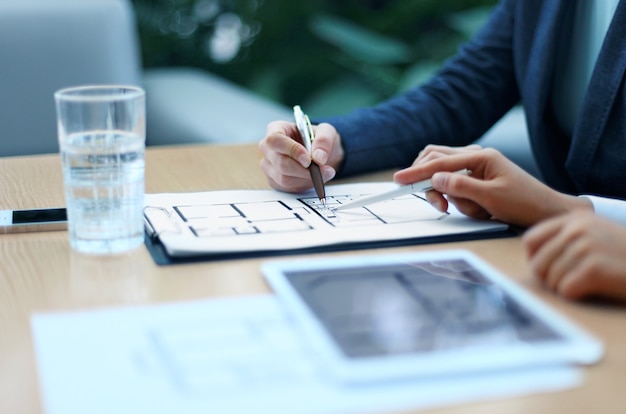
(39, 272)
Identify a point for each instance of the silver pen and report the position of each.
(419, 187)
(306, 133)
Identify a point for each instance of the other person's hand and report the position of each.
(579, 255)
(496, 188)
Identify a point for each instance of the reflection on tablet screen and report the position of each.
(415, 307)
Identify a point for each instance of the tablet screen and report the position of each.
(421, 306)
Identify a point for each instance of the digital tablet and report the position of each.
(370, 318)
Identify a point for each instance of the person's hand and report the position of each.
(497, 188)
(285, 160)
(579, 255)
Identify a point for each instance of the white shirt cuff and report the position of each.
(611, 208)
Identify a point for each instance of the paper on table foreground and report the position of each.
(235, 355)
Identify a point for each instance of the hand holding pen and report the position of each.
(285, 160)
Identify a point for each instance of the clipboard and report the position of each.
(238, 224)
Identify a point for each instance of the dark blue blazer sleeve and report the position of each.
(470, 93)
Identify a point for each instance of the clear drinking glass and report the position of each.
(101, 132)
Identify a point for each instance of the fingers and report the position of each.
(471, 195)
(449, 183)
(470, 208)
(463, 192)
(548, 249)
(431, 152)
(431, 155)
(327, 148)
(542, 241)
(292, 177)
(437, 200)
(574, 282)
(283, 139)
(285, 174)
(323, 143)
(536, 236)
(465, 206)
(546, 246)
(476, 161)
(578, 255)
(556, 246)
(595, 275)
(457, 185)
(559, 258)
(285, 160)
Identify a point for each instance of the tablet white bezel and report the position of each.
(577, 347)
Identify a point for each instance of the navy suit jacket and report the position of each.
(511, 59)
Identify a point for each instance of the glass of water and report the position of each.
(101, 132)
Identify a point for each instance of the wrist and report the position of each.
(557, 204)
(572, 203)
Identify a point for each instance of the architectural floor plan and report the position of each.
(189, 224)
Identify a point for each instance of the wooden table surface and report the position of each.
(39, 272)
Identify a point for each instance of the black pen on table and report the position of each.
(32, 220)
(306, 133)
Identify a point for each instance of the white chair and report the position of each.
(46, 45)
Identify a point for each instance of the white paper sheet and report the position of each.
(237, 355)
(259, 220)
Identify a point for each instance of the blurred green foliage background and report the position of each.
(329, 56)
